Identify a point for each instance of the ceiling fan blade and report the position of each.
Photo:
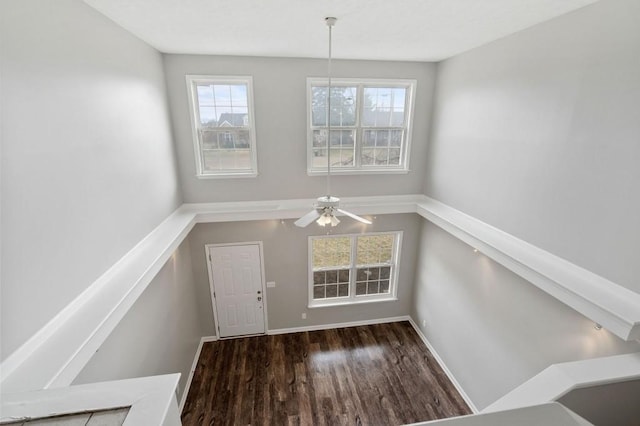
(307, 218)
(354, 216)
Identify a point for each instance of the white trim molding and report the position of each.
(55, 355)
(444, 367)
(194, 364)
(559, 379)
(337, 325)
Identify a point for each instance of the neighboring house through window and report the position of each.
(370, 125)
(346, 269)
(223, 126)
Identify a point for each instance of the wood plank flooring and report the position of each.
(372, 375)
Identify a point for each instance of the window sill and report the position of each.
(228, 175)
(359, 172)
(351, 302)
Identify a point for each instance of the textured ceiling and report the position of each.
(419, 30)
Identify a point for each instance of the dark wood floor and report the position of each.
(372, 375)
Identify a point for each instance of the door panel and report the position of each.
(237, 285)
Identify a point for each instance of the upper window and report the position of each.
(223, 127)
(370, 125)
(353, 268)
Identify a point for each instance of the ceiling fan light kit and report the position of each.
(324, 212)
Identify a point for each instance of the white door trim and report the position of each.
(262, 282)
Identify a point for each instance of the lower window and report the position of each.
(348, 269)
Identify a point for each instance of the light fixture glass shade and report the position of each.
(328, 218)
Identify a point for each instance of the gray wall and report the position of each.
(614, 404)
(280, 108)
(493, 329)
(537, 134)
(160, 333)
(88, 166)
(286, 263)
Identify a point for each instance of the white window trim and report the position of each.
(403, 168)
(194, 114)
(352, 299)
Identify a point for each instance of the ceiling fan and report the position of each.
(326, 207)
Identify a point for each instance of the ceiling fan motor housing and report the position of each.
(327, 201)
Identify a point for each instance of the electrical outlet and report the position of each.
(424, 323)
(304, 315)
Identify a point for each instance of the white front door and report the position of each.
(236, 283)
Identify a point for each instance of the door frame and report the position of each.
(262, 283)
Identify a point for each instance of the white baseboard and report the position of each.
(194, 364)
(337, 325)
(444, 367)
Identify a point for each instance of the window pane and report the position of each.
(331, 291)
(208, 117)
(239, 95)
(387, 147)
(226, 159)
(383, 107)
(343, 290)
(226, 139)
(205, 94)
(330, 284)
(369, 281)
(342, 148)
(223, 105)
(328, 252)
(374, 249)
(318, 292)
(343, 106)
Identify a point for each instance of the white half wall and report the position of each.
(160, 333)
(88, 165)
(493, 329)
(279, 86)
(538, 134)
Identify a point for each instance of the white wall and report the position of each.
(286, 263)
(493, 329)
(538, 134)
(161, 332)
(88, 165)
(280, 108)
(610, 404)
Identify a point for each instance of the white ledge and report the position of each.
(55, 355)
(560, 379)
(553, 414)
(611, 305)
(152, 401)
